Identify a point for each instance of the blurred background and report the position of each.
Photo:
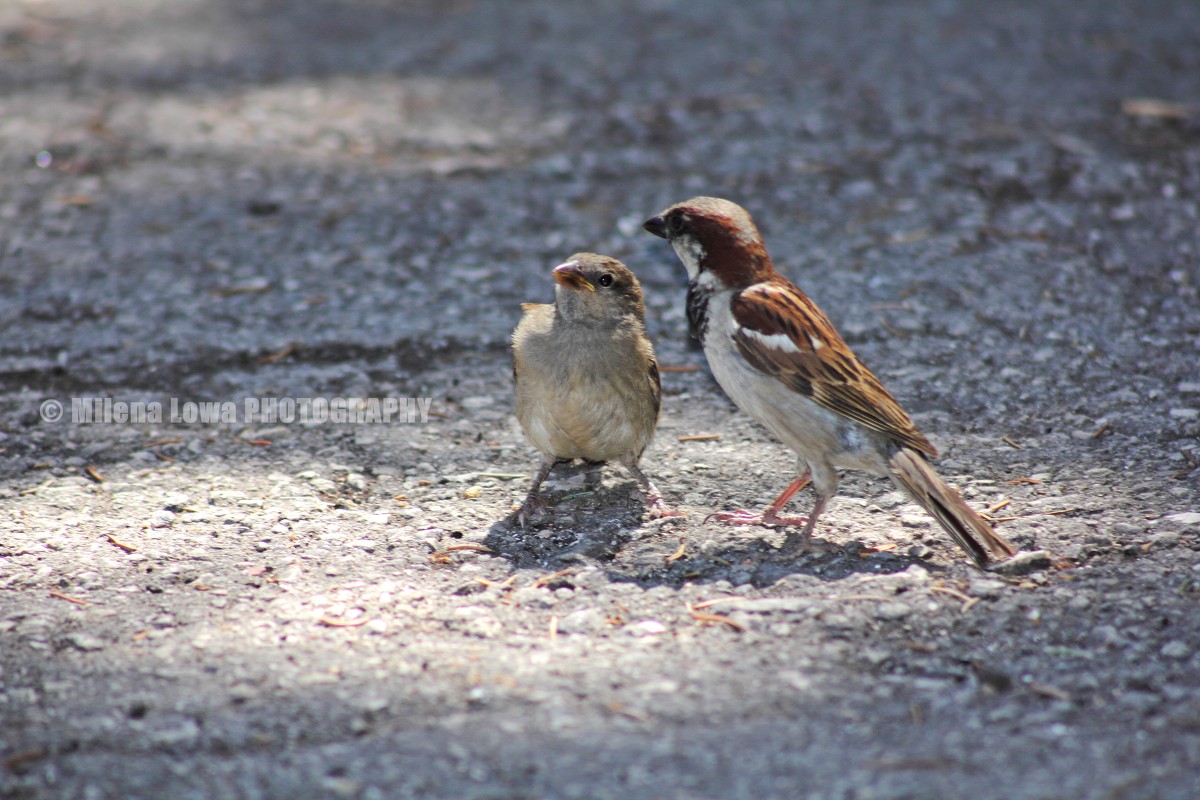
(186, 180)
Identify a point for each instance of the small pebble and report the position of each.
(85, 642)
(1175, 649)
(892, 611)
(1024, 562)
(1180, 521)
(649, 627)
(1079, 602)
(585, 620)
(162, 518)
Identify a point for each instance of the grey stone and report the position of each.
(768, 605)
(1184, 520)
(1024, 563)
(1176, 650)
(85, 642)
(162, 519)
(583, 621)
(891, 610)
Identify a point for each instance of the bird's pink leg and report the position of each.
(771, 515)
(794, 544)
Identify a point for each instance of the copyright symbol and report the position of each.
(51, 410)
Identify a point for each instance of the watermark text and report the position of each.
(247, 411)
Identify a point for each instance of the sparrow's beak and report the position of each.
(657, 226)
(570, 275)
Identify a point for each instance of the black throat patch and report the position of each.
(697, 311)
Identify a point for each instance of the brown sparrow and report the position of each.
(783, 363)
(587, 380)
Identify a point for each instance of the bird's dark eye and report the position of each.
(606, 280)
(675, 223)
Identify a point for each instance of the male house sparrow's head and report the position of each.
(716, 240)
(596, 287)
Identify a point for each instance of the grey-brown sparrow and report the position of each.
(779, 358)
(586, 377)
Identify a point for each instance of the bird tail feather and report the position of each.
(911, 472)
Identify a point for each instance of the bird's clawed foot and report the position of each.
(535, 507)
(768, 517)
(660, 510)
(653, 497)
(771, 515)
(796, 544)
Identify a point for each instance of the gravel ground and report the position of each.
(209, 200)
